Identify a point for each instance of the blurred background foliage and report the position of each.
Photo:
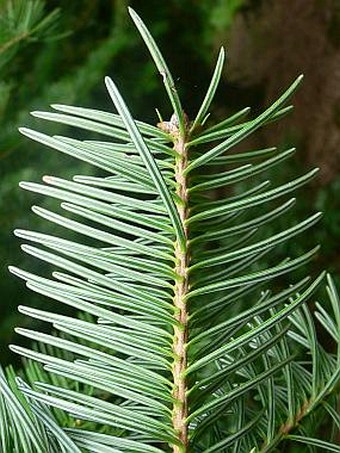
(58, 51)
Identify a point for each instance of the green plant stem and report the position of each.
(14, 41)
(289, 426)
(180, 411)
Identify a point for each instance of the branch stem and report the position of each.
(180, 409)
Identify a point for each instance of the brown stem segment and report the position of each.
(180, 410)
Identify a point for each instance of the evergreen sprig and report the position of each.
(179, 340)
